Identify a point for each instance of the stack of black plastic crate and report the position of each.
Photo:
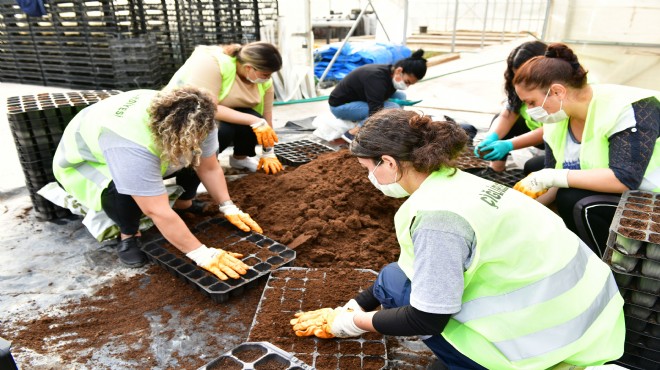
(37, 123)
(79, 43)
(633, 253)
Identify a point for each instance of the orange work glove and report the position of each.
(269, 162)
(265, 134)
(219, 262)
(326, 323)
(239, 218)
(537, 183)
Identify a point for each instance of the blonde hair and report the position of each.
(260, 55)
(180, 120)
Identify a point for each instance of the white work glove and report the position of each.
(219, 262)
(537, 183)
(239, 218)
(327, 323)
(353, 305)
(265, 134)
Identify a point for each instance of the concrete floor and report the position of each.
(44, 263)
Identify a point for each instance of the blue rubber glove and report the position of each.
(500, 149)
(489, 139)
(404, 103)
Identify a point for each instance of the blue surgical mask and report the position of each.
(394, 190)
(539, 114)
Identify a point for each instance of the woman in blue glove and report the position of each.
(601, 140)
(512, 128)
(475, 276)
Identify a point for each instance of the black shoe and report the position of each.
(197, 208)
(129, 252)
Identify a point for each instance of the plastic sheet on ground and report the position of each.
(355, 54)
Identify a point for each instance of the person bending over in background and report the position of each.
(366, 89)
(601, 140)
(476, 275)
(239, 79)
(513, 128)
(114, 155)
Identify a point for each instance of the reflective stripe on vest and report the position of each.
(525, 285)
(607, 103)
(79, 165)
(227, 67)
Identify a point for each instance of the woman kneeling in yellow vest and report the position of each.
(485, 290)
(601, 140)
(114, 155)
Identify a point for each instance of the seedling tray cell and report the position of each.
(290, 290)
(256, 355)
(508, 177)
(299, 152)
(261, 253)
(468, 161)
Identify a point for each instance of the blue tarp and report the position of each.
(355, 54)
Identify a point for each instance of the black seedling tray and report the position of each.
(285, 292)
(468, 161)
(299, 152)
(266, 255)
(508, 177)
(256, 355)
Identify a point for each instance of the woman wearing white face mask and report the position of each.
(366, 89)
(238, 77)
(465, 278)
(608, 145)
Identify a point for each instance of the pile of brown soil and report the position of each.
(327, 210)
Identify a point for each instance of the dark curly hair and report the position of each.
(409, 136)
(517, 57)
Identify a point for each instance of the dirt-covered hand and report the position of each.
(219, 262)
(266, 136)
(239, 218)
(269, 162)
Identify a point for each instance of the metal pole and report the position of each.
(506, 14)
(545, 20)
(348, 35)
(453, 33)
(405, 22)
(483, 32)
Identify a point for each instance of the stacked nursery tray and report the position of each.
(257, 356)
(633, 253)
(261, 253)
(290, 290)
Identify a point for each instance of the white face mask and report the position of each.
(539, 114)
(256, 80)
(394, 190)
(399, 85)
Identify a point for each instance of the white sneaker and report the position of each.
(248, 163)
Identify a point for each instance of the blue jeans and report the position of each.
(392, 289)
(358, 111)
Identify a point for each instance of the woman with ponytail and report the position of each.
(601, 140)
(476, 279)
(238, 77)
(366, 89)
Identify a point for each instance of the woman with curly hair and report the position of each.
(512, 128)
(483, 290)
(114, 155)
(601, 140)
(239, 80)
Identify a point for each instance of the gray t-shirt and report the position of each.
(135, 170)
(443, 243)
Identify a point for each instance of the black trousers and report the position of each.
(124, 211)
(240, 136)
(588, 214)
